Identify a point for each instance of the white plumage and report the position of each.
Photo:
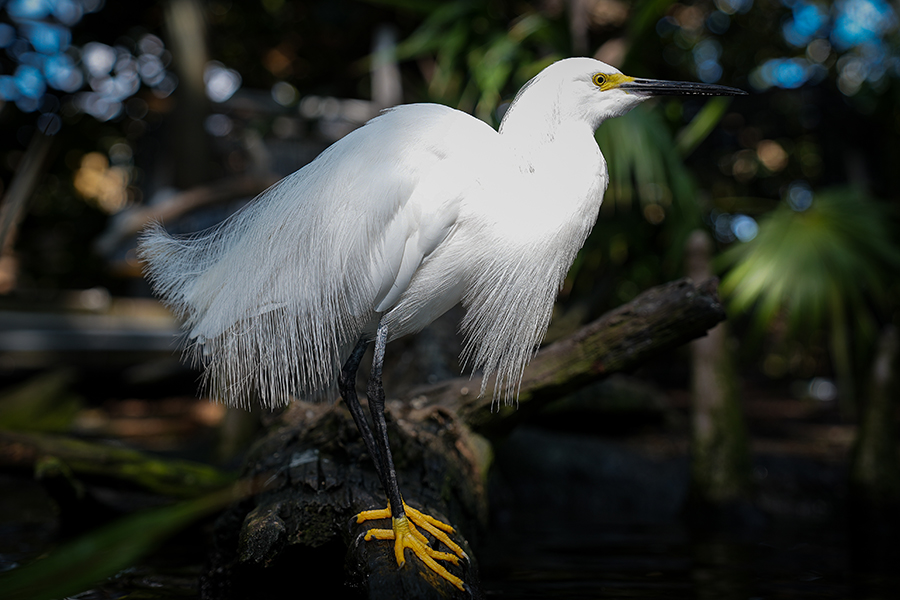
(421, 208)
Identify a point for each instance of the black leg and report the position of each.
(347, 386)
(376, 408)
(403, 531)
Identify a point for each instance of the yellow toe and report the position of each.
(438, 529)
(405, 535)
(374, 515)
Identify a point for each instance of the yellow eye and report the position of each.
(599, 79)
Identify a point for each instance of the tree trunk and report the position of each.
(875, 466)
(720, 454)
(21, 189)
(186, 28)
(313, 474)
(875, 470)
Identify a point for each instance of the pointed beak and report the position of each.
(658, 87)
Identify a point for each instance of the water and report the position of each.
(578, 516)
(606, 560)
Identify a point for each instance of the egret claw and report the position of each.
(405, 535)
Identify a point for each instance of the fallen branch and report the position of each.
(319, 477)
(50, 455)
(661, 318)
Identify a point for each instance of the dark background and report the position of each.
(794, 183)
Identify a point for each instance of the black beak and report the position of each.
(658, 87)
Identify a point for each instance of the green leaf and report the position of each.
(828, 267)
(43, 403)
(88, 560)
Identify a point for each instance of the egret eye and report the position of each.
(599, 79)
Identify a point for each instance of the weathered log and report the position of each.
(318, 476)
(657, 320)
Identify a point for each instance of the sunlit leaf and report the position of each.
(826, 267)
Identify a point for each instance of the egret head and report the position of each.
(592, 91)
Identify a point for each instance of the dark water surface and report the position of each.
(579, 516)
(597, 560)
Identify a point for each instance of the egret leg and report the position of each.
(375, 393)
(404, 519)
(347, 386)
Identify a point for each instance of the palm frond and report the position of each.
(826, 268)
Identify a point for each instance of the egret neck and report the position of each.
(564, 173)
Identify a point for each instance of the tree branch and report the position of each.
(661, 318)
(319, 476)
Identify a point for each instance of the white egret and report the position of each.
(420, 209)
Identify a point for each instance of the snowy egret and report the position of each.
(420, 209)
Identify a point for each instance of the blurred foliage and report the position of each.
(95, 556)
(831, 265)
(81, 458)
(824, 118)
(801, 257)
(44, 403)
(478, 49)
(824, 112)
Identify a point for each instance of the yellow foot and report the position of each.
(406, 535)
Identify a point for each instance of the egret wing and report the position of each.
(274, 297)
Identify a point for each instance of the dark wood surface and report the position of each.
(313, 474)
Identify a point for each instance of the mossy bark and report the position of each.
(315, 475)
(50, 455)
(659, 319)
